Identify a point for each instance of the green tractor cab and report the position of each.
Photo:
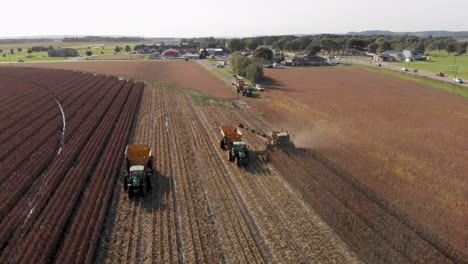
(238, 153)
(137, 181)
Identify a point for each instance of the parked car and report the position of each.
(267, 66)
(259, 88)
(440, 74)
(458, 80)
(378, 64)
(20, 61)
(220, 66)
(276, 64)
(404, 69)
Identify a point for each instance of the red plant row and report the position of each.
(50, 195)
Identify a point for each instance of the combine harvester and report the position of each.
(138, 170)
(274, 139)
(232, 141)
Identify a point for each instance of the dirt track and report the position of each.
(203, 208)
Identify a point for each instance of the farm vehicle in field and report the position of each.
(231, 140)
(274, 139)
(138, 170)
(241, 87)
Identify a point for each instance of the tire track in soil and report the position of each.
(236, 234)
(298, 239)
(168, 226)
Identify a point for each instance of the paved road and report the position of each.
(390, 66)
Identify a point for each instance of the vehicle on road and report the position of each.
(267, 66)
(20, 61)
(458, 80)
(260, 88)
(404, 69)
(378, 64)
(220, 66)
(139, 169)
(440, 74)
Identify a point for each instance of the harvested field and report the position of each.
(404, 140)
(179, 73)
(62, 134)
(382, 181)
(205, 209)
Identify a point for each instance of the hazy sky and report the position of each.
(159, 18)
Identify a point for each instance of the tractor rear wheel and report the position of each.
(130, 192)
(221, 143)
(125, 183)
(143, 190)
(237, 161)
(148, 182)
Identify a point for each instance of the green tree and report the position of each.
(239, 63)
(89, 53)
(386, 45)
(251, 44)
(451, 47)
(355, 43)
(20, 50)
(263, 53)
(117, 49)
(236, 44)
(254, 71)
(29, 51)
(12, 51)
(127, 48)
(461, 48)
(312, 49)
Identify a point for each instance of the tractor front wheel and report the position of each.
(221, 144)
(237, 161)
(125, 183)
(130, 192)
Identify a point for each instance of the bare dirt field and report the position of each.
(179, 73)
(404, 140)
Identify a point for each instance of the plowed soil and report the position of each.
(405, 140)
(180, 73)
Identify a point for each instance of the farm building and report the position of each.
(411, 55)
(63, 52)
(170, 53)
(305, 60)
(384, 57)
(216, 51)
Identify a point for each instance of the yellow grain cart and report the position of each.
(229, 136)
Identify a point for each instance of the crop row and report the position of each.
(54, 167)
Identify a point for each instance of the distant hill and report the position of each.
(433, 33)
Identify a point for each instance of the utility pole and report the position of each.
(455, 70)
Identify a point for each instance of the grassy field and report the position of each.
(95, 48)
(441, 62)
(420, 79)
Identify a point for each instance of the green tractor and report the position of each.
(238, 153)
(139, 169)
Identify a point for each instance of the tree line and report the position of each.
(335, 43)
